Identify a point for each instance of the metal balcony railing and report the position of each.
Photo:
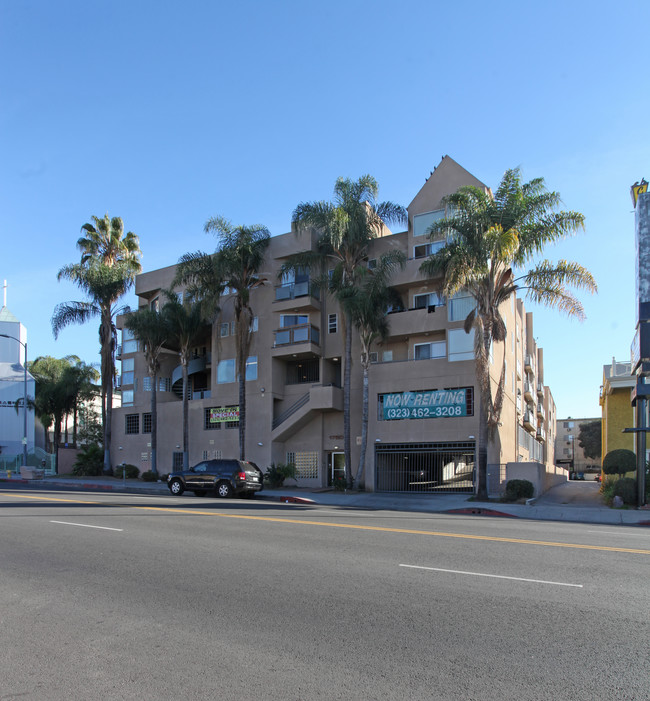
(304, 333)
(291, 290)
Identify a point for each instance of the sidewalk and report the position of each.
(545, 510)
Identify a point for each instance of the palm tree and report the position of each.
(81, 379)
(346, 227)
(104, 286)
(367, 305)
(493, 238)
(151, 328)
(110, 260)
(53, 393)
(235, 266)
(185, 326)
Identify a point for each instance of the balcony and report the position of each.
(296, 295)
(529, 363)
(304, 338)
(541, 434)
(540, 389)
(540, 410)
(118, 352)
(416, 321)
(518, 369)
(529, 421)
(528, 391)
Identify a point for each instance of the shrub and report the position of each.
(132, 472)
(149, 476)
(340, 483)
(90, 460)
(518, 489)
(276, 474)
(618, 462)
(624, 487)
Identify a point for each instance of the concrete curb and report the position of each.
(480, 512)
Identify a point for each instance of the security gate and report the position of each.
(425, 467)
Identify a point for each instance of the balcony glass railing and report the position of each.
(305, 333)
(291, 290)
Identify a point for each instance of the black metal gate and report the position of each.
(425, 467)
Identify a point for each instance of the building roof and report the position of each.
(6, 315)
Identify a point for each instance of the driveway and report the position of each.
(577, 493)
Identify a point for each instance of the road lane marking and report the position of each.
(86, 525)
(494, 576)
(376, 529)
(622, 533)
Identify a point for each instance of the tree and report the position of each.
(346, 227)
(151, 328)
(235, 266)
(110, 260)
(186, 326)
(367, 305)
(590, 439)
(618, 462)
(54, 394)
(81, 379)
(491, 238)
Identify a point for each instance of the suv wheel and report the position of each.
(176, 487)
(224, 490)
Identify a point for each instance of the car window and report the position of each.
(201, 467)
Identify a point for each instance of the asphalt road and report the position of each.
(115, 596)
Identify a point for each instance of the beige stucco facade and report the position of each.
(295, 395)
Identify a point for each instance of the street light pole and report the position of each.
(24, 345)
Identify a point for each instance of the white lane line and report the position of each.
(85, 525)
(495, 576)
(622, 533)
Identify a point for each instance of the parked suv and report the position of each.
(223, 477)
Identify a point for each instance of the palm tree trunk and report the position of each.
(364, 425)
(346, 401)
(482, 452)
(74, 425)
(154, 424)
(186, 430)
(242, 411)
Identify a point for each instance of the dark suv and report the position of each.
(223, 477)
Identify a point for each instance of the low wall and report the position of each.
(542, 476)
(67, 457)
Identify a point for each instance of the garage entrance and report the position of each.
(425, 467)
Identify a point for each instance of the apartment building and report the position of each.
(423, 424)
(615, 400)
(567, 447)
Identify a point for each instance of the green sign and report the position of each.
(425, 405)
(224, 413)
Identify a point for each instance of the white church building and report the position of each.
(13, 350)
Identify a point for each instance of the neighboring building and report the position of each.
(567, 446)
(12, 387)
(294, 377)
(618, 413)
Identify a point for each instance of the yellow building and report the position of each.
(617, 409)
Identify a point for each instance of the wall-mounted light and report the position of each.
(377, 440)
(260, 443)
(262, 390)
(471, 437)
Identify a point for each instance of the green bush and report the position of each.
(340, 483)
(625, 487)
(132, 472)
(276, 474)
(90, 460)
(149, 476)
(518, 489)
(618, 462)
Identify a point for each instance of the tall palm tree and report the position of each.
(186, 327)
(235, 265)
(151, 328)
(106, 242)
(367, 305)
(104, 286)
(346, 228)
(493, 239)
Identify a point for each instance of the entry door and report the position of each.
(337, 466)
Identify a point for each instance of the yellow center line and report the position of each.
(377, 529)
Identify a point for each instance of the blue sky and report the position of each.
(168, 113)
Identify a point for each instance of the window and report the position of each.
(428, 249)
(233, 327)
(226, 371)
(128, 375)
(422, 222)
(209, 425)
(155, 304)
(332, 323)
(461, 345)
(127, 397)
(302, 371)
(387, 356)
(177, 461)
(251, 367)
(372, 264)
(430, 299)
(426, 351)
(460, 305)
(306, 464)
(287, 320)
(374, 357)
(224, 329)
(146, 422)
(254, 324)
(132, 423)
(164, 384)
